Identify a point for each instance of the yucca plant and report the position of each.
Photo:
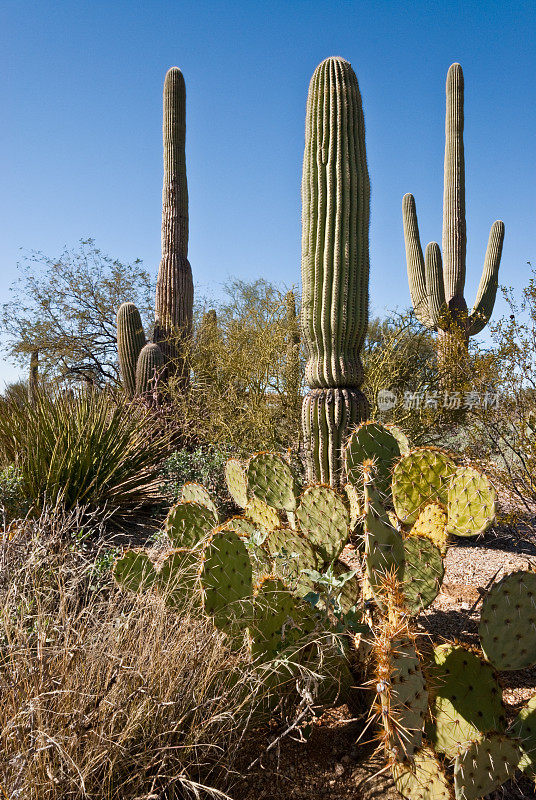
(86, 449)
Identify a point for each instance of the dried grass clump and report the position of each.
(108, 695)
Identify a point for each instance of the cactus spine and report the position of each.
(174, 288)
(130, 342)
(335, 265)
(437, 289)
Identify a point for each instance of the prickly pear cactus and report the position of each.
(291, 554)
(402, 694)
(466, 699)
(470, 503)
(271, 479)
(226, 579)
(354, 505)
(279, 619)
(262, 515)
(324, 520)
(432, 523)
(196, 493)
(177, 576)
(384, 548)
(375, 442)
(508, 622)
(134, 571)
(524, 730)
(423, 573)
(420, 477)
(484, 766)
(187, 524)
(422, 778)
(235, 478)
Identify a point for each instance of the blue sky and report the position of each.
(80, 139)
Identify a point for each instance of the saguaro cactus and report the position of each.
(437, 289)
(174, 288)
(335, 265)
(130, 343)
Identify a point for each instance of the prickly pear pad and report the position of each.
(471, 503)
(484, 766)
(235, 478)
(423, 778)
(420, 477)
(466, 699)
(432, 523)
(271, 479)
(371, 441)
(177, 575)
(279, 619)
(384, 548)
(291, 554)
(196, 493)
(188, 523)
(524, 729)
(401, 438)
(324, 520)
(403, 696)
(225, 578)
(262, 515)
(253, 537)
(423, 573)
(353, 504)
(508, 622)
(134, 570)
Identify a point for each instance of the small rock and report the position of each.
(339, 770)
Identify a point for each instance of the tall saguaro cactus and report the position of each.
(436, 288)
(335, 265)
(174, 288)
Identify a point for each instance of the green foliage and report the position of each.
(202, 465)
(85, 449)
(12, 500)
(66, 308)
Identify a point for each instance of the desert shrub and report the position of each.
(238, 396)
(107, 694)
(203, 465)
(12, 501)
(85, 449)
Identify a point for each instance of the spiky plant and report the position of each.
(174, 288)
(437, 286)
(335, 265)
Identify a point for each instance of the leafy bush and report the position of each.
(86, 449)
(203, 465)
(106, 694)
(12, 500)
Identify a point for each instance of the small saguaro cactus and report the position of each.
(174, 288)
(436, 288)
(335, 265)
(130, 343)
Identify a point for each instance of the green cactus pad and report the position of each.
(253, 537)
(187, 524)
(177, 576)
(384, 547)
(226, 578)
(423, 573)
(508, 622)
(484, 766)
(235, 478)
(401, 438)
(371, 441)
(271, 479)
(134, 570)
(403, 698)
(196, 493)
(351, 593)
(524, 729)
(423, 778)
(324, 520)
(432, 523)
(471, 503)
(262, 515)
(354, 505)
(466, 699)
(292, 553)
(420, 477)
(279, 619)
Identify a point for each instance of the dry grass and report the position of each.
(107, 695)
